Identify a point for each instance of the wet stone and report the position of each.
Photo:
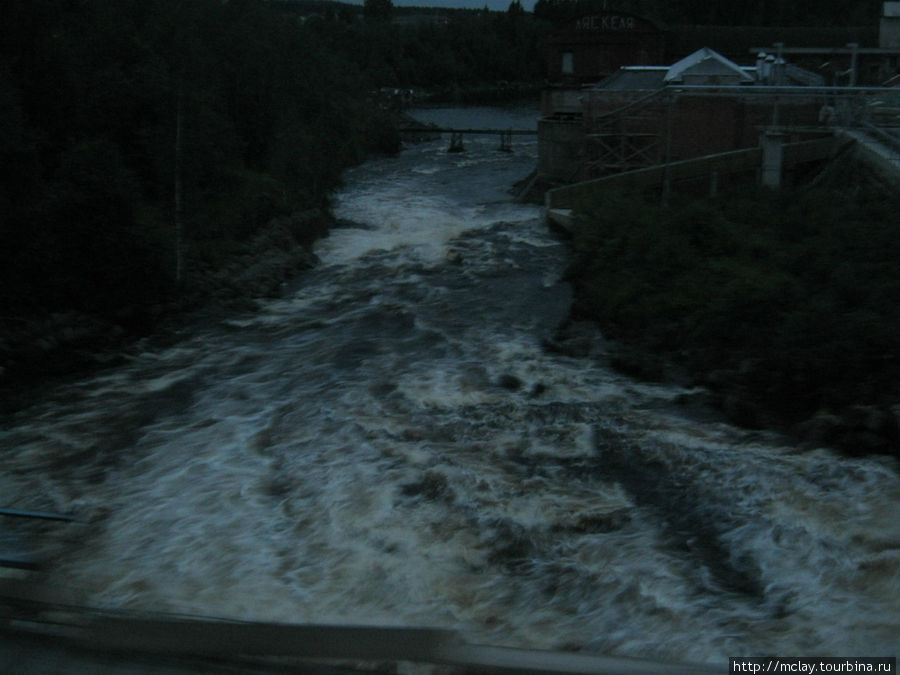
(538, 389)
(433, 487)
(509, 382)
(511, 545)
(601, 523)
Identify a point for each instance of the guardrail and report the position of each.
(21, 560)
(132, 636)
(448, 130)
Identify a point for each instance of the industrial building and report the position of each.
(602, 114)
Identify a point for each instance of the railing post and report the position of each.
(456, 142)
(772, 158)
(667, 180)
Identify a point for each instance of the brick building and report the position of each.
(590, 48)
(642, 116)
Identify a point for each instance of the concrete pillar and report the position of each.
(560, 148)
(889, 33)
(772, 158)
(854, 62)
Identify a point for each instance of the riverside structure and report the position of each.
(611, 109)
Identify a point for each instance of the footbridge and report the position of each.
(456, 135)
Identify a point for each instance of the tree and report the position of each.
(378, 10)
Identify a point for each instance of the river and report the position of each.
(391, 442)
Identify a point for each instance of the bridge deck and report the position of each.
(447, 130)
(92, 640)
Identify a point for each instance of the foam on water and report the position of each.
(390, 443)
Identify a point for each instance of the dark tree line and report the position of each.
(437, 49)
(109, 111)
(785, 13)
(138, 136)
(784, 303)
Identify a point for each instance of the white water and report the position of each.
(347, 454)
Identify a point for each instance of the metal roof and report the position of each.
(631, 78)
(706, 62)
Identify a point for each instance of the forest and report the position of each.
(147, 142)
(144, 141)
(786, 13)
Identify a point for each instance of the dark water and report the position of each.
(391, 443)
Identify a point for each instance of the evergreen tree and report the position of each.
(378, 10)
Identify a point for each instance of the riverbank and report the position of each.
(45, 345)
(145, 181)
(41, 345)
(391, 443)
(782, 306)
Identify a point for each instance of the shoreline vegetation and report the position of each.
(785, 306)
(160, 159)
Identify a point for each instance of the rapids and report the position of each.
(392, 443)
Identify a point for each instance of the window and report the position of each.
(568, 63)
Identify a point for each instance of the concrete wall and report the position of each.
(560, 144)
(889, 33)
(561, 101)
(702, 125)
(699, 125)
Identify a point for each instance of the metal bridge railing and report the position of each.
(13, 554)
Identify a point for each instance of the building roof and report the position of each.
(631, 78)
(705, 66)
(706, 63)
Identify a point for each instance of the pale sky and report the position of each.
(466, 4)
(499, 5)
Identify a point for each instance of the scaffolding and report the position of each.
(638, 134)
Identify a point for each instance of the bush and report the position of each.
(85, 249)
(794, 294)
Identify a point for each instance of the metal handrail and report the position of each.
(633, 104)
(891, 140)
(37, 515)
(24, 562)
(176, 636)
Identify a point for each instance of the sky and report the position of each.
(528, 5)
(465, 4)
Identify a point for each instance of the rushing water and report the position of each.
(392, 443)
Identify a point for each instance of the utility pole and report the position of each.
(854, 61)
(777, 79)
(667, 187)
(179, 202)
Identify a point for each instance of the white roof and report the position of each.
(706, 62)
